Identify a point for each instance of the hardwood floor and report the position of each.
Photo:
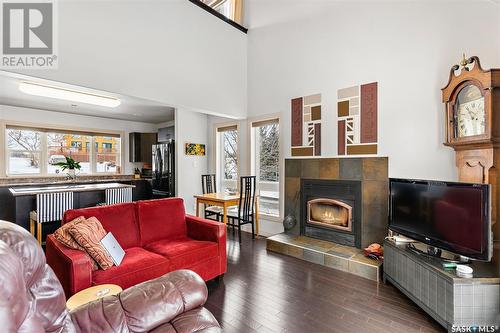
(268, 292)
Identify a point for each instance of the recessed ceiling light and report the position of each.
(68, 95)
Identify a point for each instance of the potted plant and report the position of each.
(71, 165)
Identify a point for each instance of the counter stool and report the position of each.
(118, 195)
(50, 207)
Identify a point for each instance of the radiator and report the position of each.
(51, 206)
(118, 195)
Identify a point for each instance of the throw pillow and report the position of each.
(62, 235)
(88, 235)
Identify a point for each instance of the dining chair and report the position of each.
(50, 207)
(209, 185)
(244, 213)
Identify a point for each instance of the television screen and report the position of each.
(451, 216)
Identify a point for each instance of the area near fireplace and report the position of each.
(340, 205)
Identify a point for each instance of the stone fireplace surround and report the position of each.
(371, 172)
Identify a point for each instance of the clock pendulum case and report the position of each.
(472, 99)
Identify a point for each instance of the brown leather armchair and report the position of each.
(32, 299)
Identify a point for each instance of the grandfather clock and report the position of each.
(472, 99)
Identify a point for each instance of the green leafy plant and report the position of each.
(70, 164)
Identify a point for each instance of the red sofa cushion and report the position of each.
(119, 219)
(184, 252)
(161, 219)
(137, 266)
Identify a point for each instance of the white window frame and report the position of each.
(219, 157)
(4, 162)
(252, 162)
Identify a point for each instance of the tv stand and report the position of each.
(449, 299)
(434, 252)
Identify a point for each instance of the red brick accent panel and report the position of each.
(297, 122)
(341, 138)
(369, 113)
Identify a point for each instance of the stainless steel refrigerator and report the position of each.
(164, 170)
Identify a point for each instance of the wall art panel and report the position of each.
(357, 119)
(306, 125)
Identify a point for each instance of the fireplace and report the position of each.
(330, 213)
(331, 210)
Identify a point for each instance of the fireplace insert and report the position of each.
(330, 213)
(331, 210)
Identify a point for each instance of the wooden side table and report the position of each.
(92, 294)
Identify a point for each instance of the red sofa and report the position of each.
(157, 236)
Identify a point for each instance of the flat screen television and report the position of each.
(451, 216)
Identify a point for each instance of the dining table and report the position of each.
(225, 200)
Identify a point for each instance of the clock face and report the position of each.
(469, 113)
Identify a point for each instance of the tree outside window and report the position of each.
(269, 153)
(23, 151)
(230, 142)
(265, 164)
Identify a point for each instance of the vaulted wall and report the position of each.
(408, 47)
(169, 51)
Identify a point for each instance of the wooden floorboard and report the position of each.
(268, 292)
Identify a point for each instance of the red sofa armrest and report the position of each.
(202, 229)
(73, 268)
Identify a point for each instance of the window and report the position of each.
(227, 153)
(230, 153)
(107, 154)
(23, 151)
(33, 151)
(230, 11)
(60, 145)
(266, 164)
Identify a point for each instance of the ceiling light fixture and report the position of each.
(68, 95)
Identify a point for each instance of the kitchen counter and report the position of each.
(41, 181)
(61, 187)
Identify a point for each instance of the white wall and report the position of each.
(190, 127)
(170, 51)
(58, 119)
(311, 47)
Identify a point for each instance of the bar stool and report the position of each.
(118, 195)
(50, 207)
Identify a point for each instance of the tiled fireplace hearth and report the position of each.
(339, 202)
